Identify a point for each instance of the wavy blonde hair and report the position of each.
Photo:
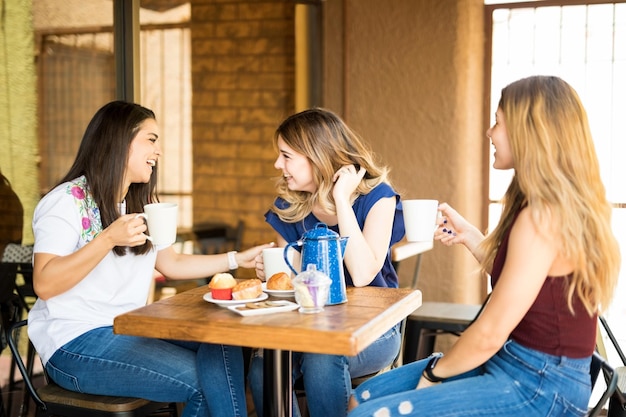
(557, 175)
(329, 144)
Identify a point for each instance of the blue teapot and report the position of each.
(323, 248)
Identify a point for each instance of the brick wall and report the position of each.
(243, 87)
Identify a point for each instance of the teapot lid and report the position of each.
(320, 231)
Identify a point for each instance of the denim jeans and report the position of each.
(208, 378)
(517, 381)
(327, 378)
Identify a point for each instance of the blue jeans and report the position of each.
(208, 378)
(517, 381)
(327, 378)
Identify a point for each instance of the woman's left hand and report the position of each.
(346, 180)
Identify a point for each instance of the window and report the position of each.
(585, 45)
(76, 70)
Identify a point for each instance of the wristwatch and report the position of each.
(428, 371)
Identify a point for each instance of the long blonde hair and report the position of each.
(329, 144)
(557, 175)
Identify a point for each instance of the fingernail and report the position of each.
(445, 221)
(444, 230)
(449, 232)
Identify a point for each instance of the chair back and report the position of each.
(18, 254)
(12, 337)
(217, 238)
(599, 364)
(16, 260)
(52, 400)
(617, 404)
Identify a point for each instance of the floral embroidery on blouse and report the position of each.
(91, 224)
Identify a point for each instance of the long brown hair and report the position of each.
(102, 158)
(329, 144)
(557, 174)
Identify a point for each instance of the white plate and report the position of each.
(224, 303)
(278, 293)
(279, 306)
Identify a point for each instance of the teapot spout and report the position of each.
(343, 241)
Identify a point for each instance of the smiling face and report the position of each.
(296, 168)
(143, 154)
(500, 140)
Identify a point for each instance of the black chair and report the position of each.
(432, 318)
(18, 258)
(52, 400)
(598, 363)
(617, 403)
(16, 298)
(212, 238)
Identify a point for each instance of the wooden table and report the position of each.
(344, 329)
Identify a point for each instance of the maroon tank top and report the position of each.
(549, 326)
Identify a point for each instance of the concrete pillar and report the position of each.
(408, 76)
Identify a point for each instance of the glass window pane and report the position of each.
(590, 43)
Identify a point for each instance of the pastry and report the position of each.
(221, 286)
(280, 281)
(248, 289)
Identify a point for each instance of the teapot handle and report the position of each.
(286, 252)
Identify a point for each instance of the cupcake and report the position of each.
(221, 286)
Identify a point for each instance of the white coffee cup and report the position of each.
(420, 219)
(161, 219)
(274, 262)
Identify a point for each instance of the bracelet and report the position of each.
(428, 371)
(232, 261)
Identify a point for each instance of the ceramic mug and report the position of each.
(161, 219)
(420, 219)
(274, 262)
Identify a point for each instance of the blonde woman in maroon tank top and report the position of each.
(554, 264)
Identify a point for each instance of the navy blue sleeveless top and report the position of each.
(387, 276)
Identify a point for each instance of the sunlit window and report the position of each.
(75, 59)
(586, 46)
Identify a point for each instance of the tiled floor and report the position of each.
(14, 400)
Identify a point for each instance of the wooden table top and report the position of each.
(344, 329)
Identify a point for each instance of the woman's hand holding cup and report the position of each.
(128, 230)
(453, 228)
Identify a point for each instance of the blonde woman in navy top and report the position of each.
(329, 175)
